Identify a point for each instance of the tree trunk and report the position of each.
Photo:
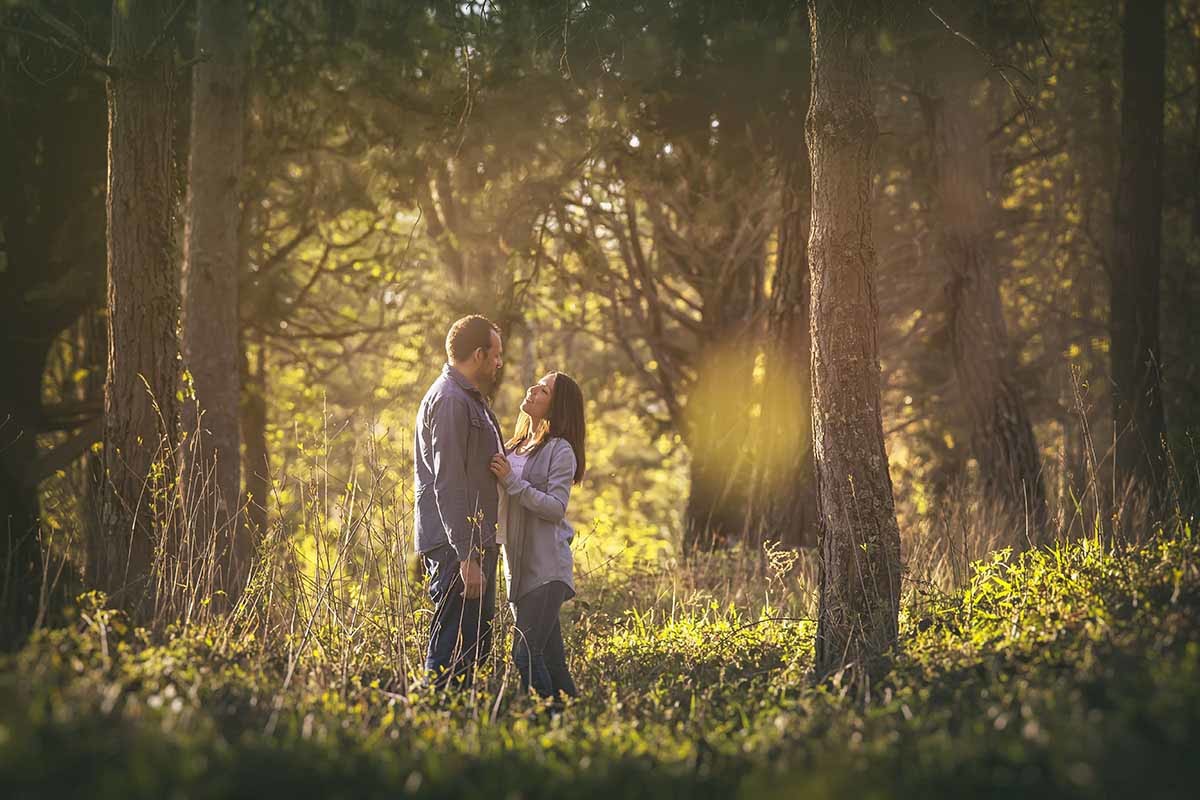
(787, 484)
(22, 360)
(212, 250)
(1002, 434)
(1196, 145)
(96, 357)
(51, 269)
(714, 517)
(254, 434)
(20, 550)
(860, 541)
(1093, 410)
(718, 415)
(140, 405)
(1134, 350)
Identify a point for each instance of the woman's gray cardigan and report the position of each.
(537, 547)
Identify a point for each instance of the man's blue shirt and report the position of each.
(456, 496)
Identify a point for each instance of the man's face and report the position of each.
(492, 362)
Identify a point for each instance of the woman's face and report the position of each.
(537, 399)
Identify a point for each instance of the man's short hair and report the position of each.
(468, 334)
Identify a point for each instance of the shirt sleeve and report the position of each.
(449, 421)
(550, 505)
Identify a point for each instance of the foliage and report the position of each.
(1066, 672)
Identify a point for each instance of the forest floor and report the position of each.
(1064, 672)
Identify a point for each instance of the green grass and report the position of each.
(1072, 672)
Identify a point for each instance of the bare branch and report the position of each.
(66, 416)
(62, 456)
(1026, 107)
(66, 38)
(280, 255)
(166, 29)
(1037, 23)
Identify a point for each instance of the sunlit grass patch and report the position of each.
(1071, 671)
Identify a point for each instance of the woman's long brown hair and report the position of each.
(565, 420)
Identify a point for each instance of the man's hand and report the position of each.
(472, 577)
(500, 466)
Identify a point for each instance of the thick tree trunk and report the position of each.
(718, 415)
(860, 541)
(715, 516)
(212, 255)
(1002, 435)
(1134, 350)
(1196, 145)
(140, 405)
(21, 365)
(787, 484)
(1091, 410)
(20, 550)
(50, 272)
(96, 357)
(254, 434)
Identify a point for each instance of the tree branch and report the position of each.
(72, 41)
(276, 258)
(1022, 101)
(166, 29)
(66, 416)
(62, 456)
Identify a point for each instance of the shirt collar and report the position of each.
(453, 374)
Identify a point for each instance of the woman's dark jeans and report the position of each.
(538, 644)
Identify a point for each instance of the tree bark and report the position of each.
(787, 485)
(860, 540)
(22, 361)
(51, 269)
(254, 434)
(212, 250)
(20, 551)
(719, 423)
(140, 405)
(1134, 351)
(1003, 441)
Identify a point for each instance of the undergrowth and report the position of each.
(1071, 671)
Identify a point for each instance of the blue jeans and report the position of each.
(538, 649)
(460, 634)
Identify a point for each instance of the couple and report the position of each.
(476, 492)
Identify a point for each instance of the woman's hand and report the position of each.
(500, 467)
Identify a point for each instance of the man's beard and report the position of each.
(490, 384)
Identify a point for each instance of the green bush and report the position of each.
(1071, 672)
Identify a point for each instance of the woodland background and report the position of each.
(626, 188)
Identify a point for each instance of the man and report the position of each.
(457, 498)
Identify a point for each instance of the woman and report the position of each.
(545, 457)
